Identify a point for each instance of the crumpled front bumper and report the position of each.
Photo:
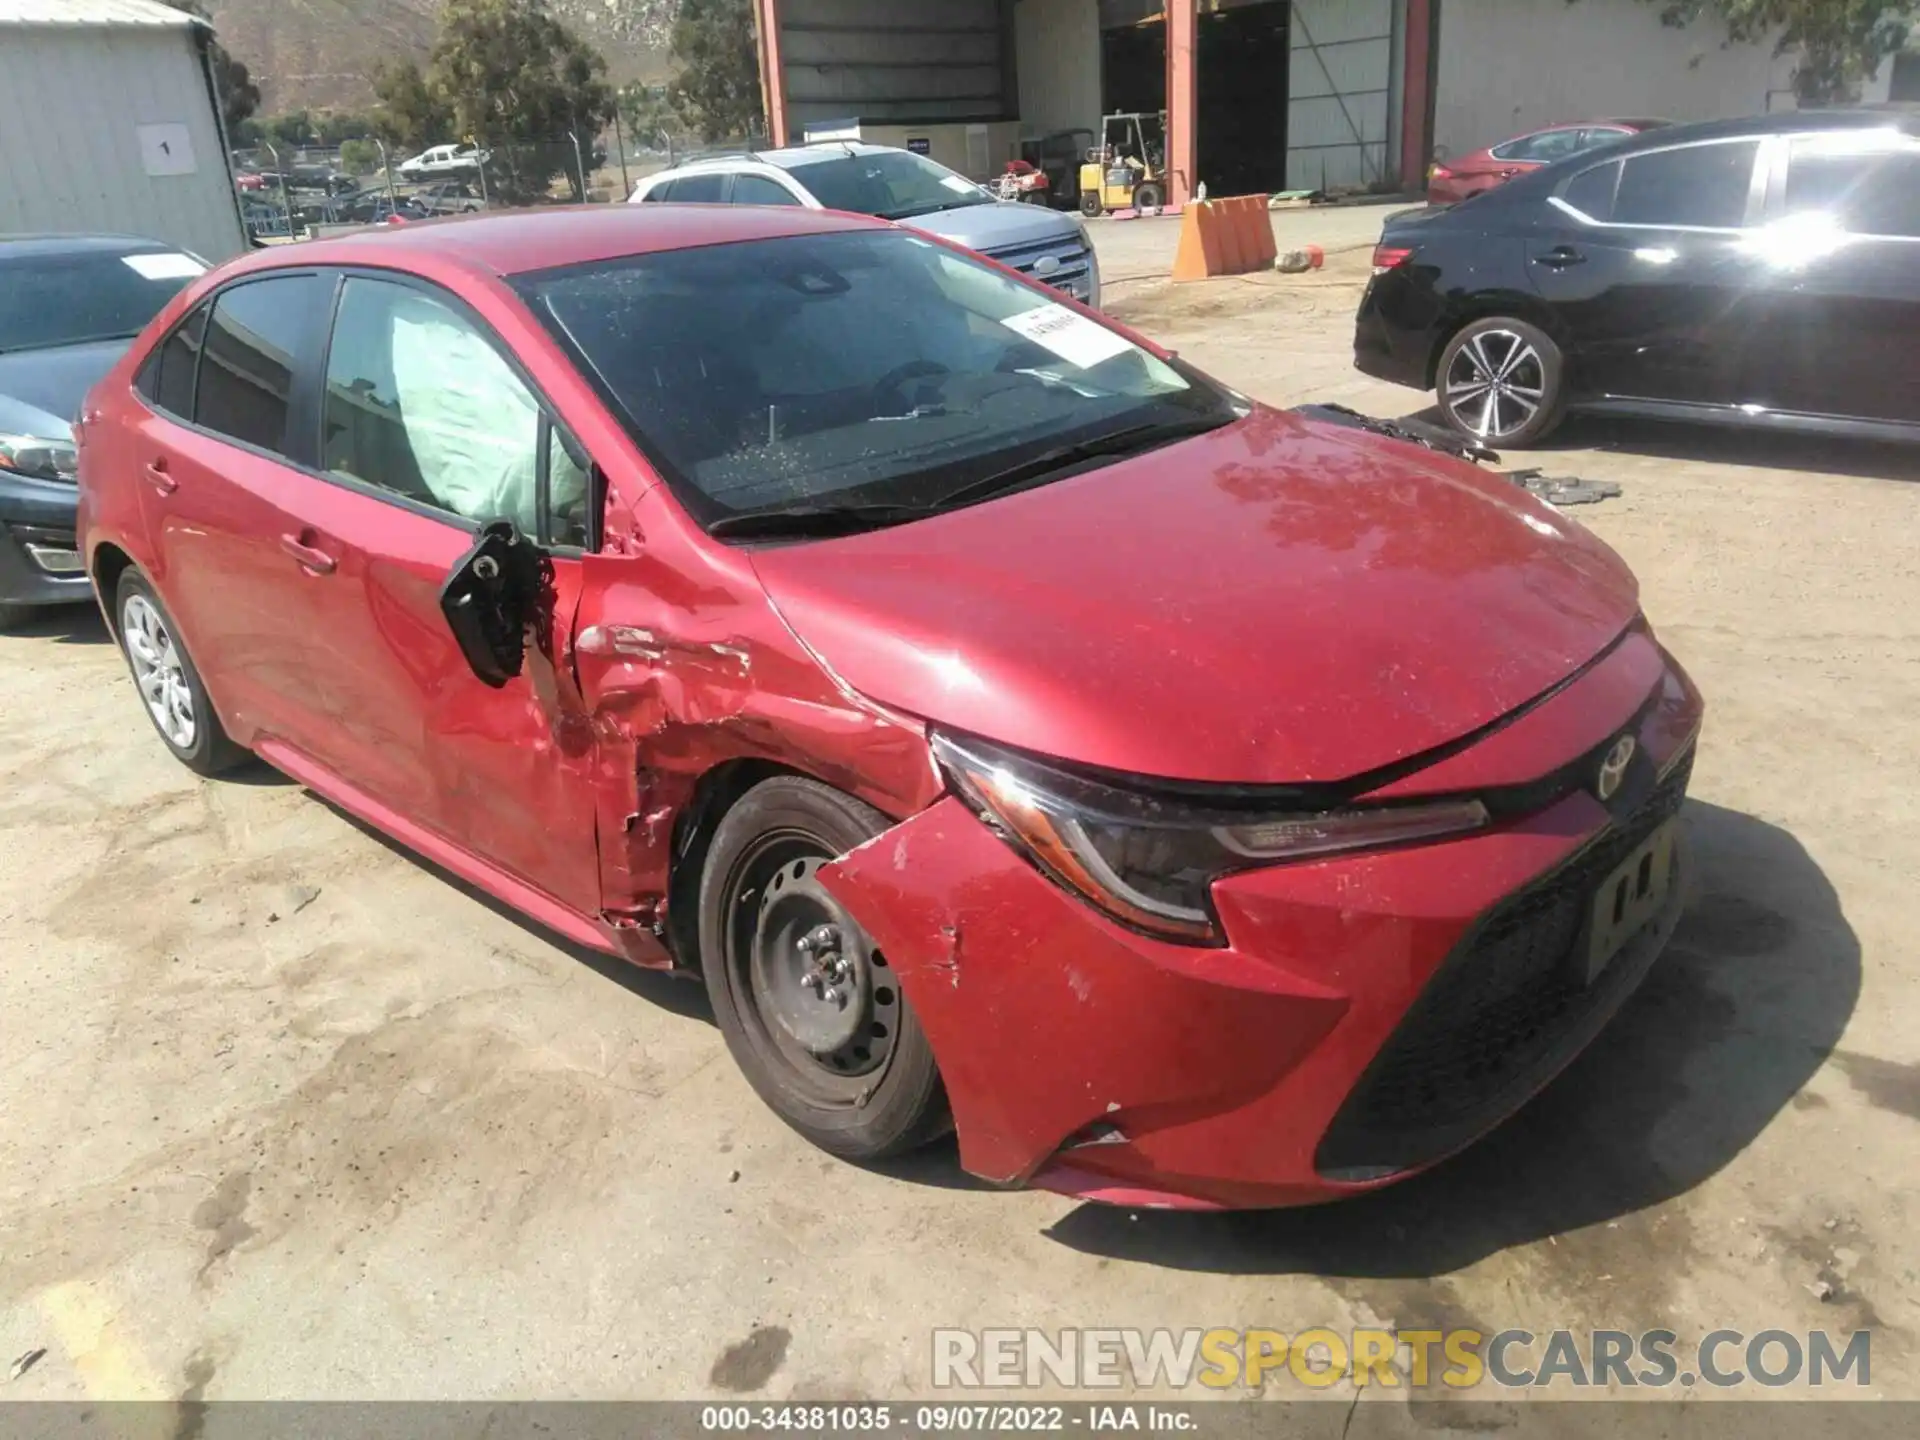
(1083, 1057)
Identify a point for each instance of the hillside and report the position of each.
(321, 53)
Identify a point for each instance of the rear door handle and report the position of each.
(157, 476)
(315, 560)
(1560, 257)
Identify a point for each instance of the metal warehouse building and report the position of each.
(111, 124)
(1261, 95)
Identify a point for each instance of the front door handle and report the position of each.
(1560, 257)
(157, 476)
(311, 558)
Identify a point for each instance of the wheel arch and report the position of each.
(1508, 303)
(110, 562)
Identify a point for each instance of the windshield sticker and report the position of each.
(958, 185)
(164, 267)
(1068, 334)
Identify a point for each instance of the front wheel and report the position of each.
(808, 1004)
(1148, 197)
(1090, 204)
(1503, 382)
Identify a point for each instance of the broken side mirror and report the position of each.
(490, 599)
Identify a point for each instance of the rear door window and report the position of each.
(1866, 191)
(1591, 191)
(699, 190)
(167, 380)
(1698, 186)
(758, 190)
(260, 333)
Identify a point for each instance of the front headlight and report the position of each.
(41, 458)
(1151, 862)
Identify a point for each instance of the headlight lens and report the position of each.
(42, 458)
(1150, 862)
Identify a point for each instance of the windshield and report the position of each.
(50, 300)
(868, 368)
(893, 184)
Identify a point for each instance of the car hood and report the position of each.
(999, 226)
(1276, 601)
(41, 390)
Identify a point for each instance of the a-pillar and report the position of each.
(773, 74)
(1183, 101)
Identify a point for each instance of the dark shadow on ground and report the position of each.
(1708, 444)
(1750, 998)
(77, 624)
(673, 993)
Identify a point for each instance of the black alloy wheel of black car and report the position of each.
(1502, 381)
(809, 1005)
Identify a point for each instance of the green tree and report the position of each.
(514, 79)
(717, 88)
(239, 96)
(411, 113)
(647, 111)
(359, 157)
(1841, 42)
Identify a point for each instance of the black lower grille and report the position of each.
(1501, 1013)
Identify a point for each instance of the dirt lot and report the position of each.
(289, 1114)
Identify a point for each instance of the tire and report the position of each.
(1148, 196)
(1522, 364)
(161, 666)
(1090, 204)
(822, 1032)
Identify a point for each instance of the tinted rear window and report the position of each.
(259, 332)
(69, 299)
(1701, 185)
(1591, 191)
(697, 190)
(175, 363)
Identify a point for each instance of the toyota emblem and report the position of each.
(1613, 769)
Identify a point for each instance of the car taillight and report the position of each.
(1389, 257)
(1439, 172)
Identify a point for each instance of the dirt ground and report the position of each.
(289, 1114)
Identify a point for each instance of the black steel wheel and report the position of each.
(1148, 196)
(809, 1005)
(1090, 204)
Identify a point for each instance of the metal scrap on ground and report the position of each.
(1564, 489)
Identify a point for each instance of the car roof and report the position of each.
(513, 242)
(1786, 122)
(792, 157)
(23, 247)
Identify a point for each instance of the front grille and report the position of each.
(1076, 262)
(1504, 1011)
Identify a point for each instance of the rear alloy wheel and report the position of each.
(169, 686)
(809, 1006)
(1500, 381)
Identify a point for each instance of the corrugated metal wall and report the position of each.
(1059, 53)
(1341, 92)
(882, 60)
(70, 143)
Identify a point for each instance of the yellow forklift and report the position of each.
(1128, 168)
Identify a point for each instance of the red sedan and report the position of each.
(1450, 181)
(1186, 801)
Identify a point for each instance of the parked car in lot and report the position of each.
(69, 307)
(1452, 180)
(442, 161)
(1762, 273)
(895, 185)
(449, 197)
(1188, 801)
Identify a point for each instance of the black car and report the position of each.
(69, 305)
(1761, 272)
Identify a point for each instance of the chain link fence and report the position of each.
(298, 192)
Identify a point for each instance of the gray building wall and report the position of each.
(1508, 66)
(1058, 45)
(88, 110)
(880, 60)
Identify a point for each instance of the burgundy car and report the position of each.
(1186, 801)
(1450, 181)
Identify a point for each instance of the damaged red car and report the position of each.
(1187, 802)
